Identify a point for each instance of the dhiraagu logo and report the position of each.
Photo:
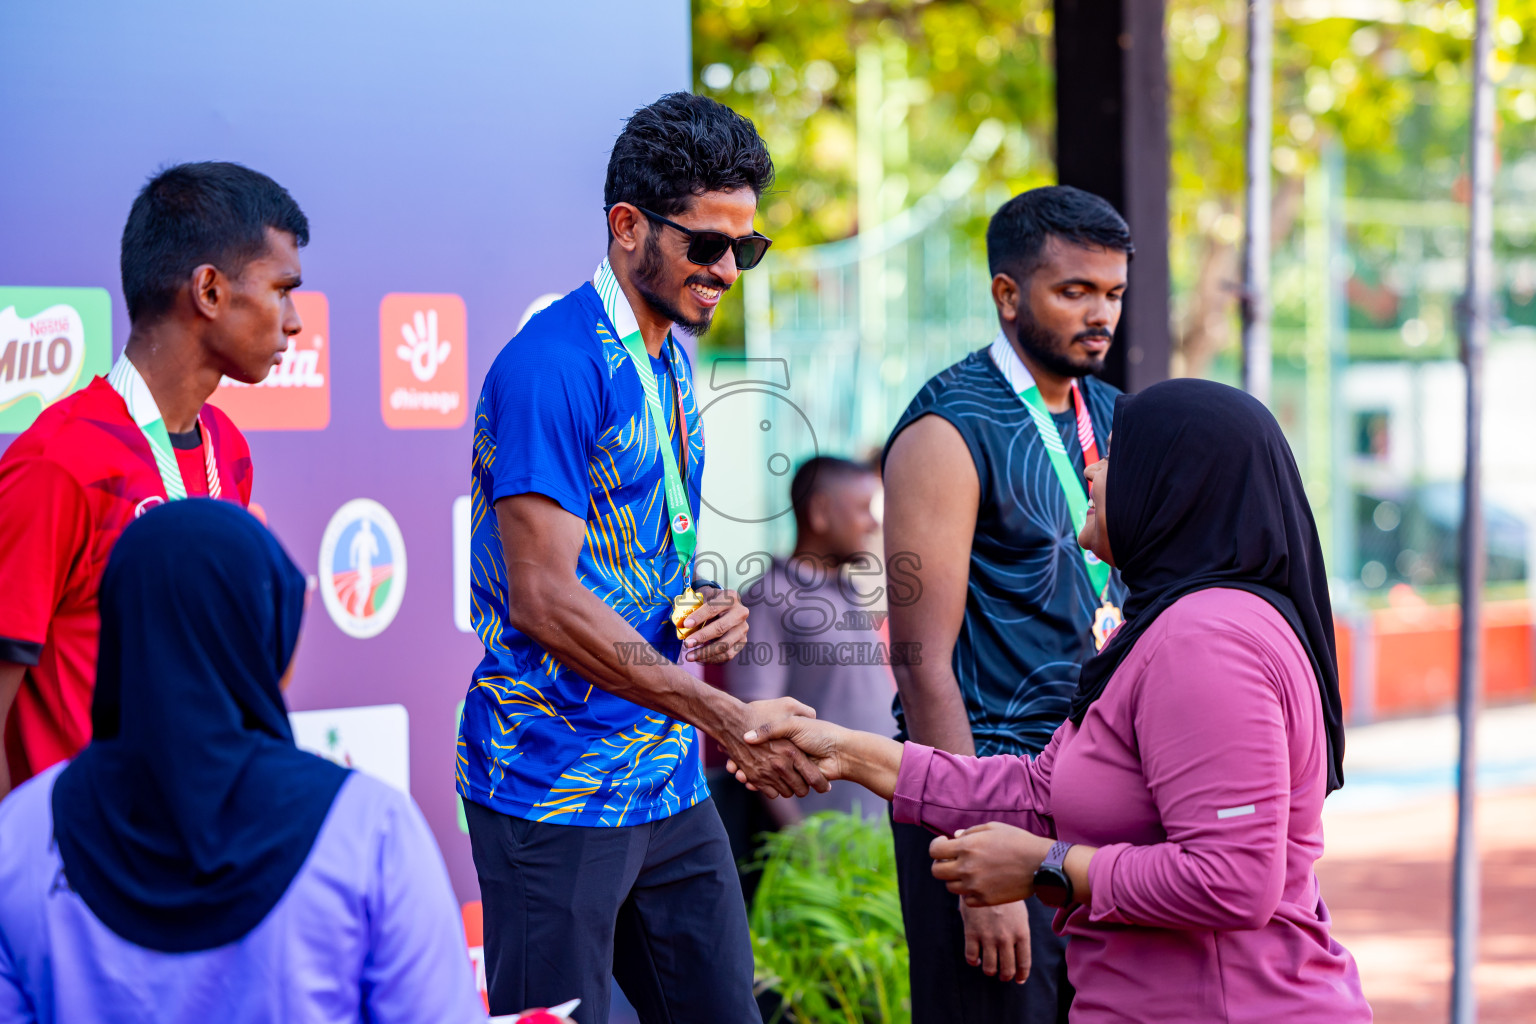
(52, 342)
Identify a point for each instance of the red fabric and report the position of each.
(68, 487)
(194, 472)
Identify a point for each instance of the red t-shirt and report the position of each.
(68, 486)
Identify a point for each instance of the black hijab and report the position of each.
(185, 820)
(1203, 492)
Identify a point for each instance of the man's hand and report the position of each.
(873, 762)
(815, 739)
(989, 864)
(776, 767)
(997, 940)
(719, 627)
(542, 543)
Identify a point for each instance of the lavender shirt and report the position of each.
(367, 931)
(1200, 776)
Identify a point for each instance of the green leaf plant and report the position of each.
(826, 923)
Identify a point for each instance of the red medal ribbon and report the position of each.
(1084, 427)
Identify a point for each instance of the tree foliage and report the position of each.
(1393, 95)
(790, 66)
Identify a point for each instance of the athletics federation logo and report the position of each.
(362, 568)
(680, 523)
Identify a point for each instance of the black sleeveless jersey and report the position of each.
(1029, 605)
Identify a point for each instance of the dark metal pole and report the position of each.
(1112, 140)
(1477, 313)
(1255, 304)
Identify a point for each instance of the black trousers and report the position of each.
(945, 988)
(656, 906)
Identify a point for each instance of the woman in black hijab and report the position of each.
(192, 864)
(1176, 816)
(1207, 494)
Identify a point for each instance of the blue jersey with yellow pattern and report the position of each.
(563, 414)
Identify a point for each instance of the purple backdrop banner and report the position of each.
(450, 157)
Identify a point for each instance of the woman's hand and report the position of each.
(990, 863)
(997, 940)
(817, 740)
(776, 767)
(871, 761)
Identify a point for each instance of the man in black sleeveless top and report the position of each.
(979, 507)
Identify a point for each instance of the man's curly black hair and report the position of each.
(683, 146)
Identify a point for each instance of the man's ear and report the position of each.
(816, 514)
(624, 221)
(1007, 295)
(210, 290)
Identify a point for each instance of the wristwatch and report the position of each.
(1051, 882)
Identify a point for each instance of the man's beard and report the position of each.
(1051, 353)
(648, 283)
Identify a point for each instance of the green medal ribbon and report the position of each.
(679, 515)
(622, 317)
(126, 381)
(1066, 473)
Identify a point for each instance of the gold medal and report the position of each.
(1105, 621)
(683, 606)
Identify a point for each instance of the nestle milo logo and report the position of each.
(52, 341)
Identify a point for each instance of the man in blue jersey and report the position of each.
(984, 501)
(597, 847)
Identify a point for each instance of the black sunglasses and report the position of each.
(706, 248)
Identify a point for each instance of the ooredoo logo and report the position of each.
(423, 362)
(296, 394)
(362, 568)
(52, 341)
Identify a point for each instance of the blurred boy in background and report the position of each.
(817, 628)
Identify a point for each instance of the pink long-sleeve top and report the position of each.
(1199, 774)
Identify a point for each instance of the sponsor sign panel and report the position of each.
(427, 215)
(461, 563)
(52, 342)
(423, 361)
(296, 395)
(376, 740)
(362, 568)
(458, 801)
(474, 937)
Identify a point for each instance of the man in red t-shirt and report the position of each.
(210, 259)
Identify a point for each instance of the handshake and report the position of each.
(779, 748)
(790, 752)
